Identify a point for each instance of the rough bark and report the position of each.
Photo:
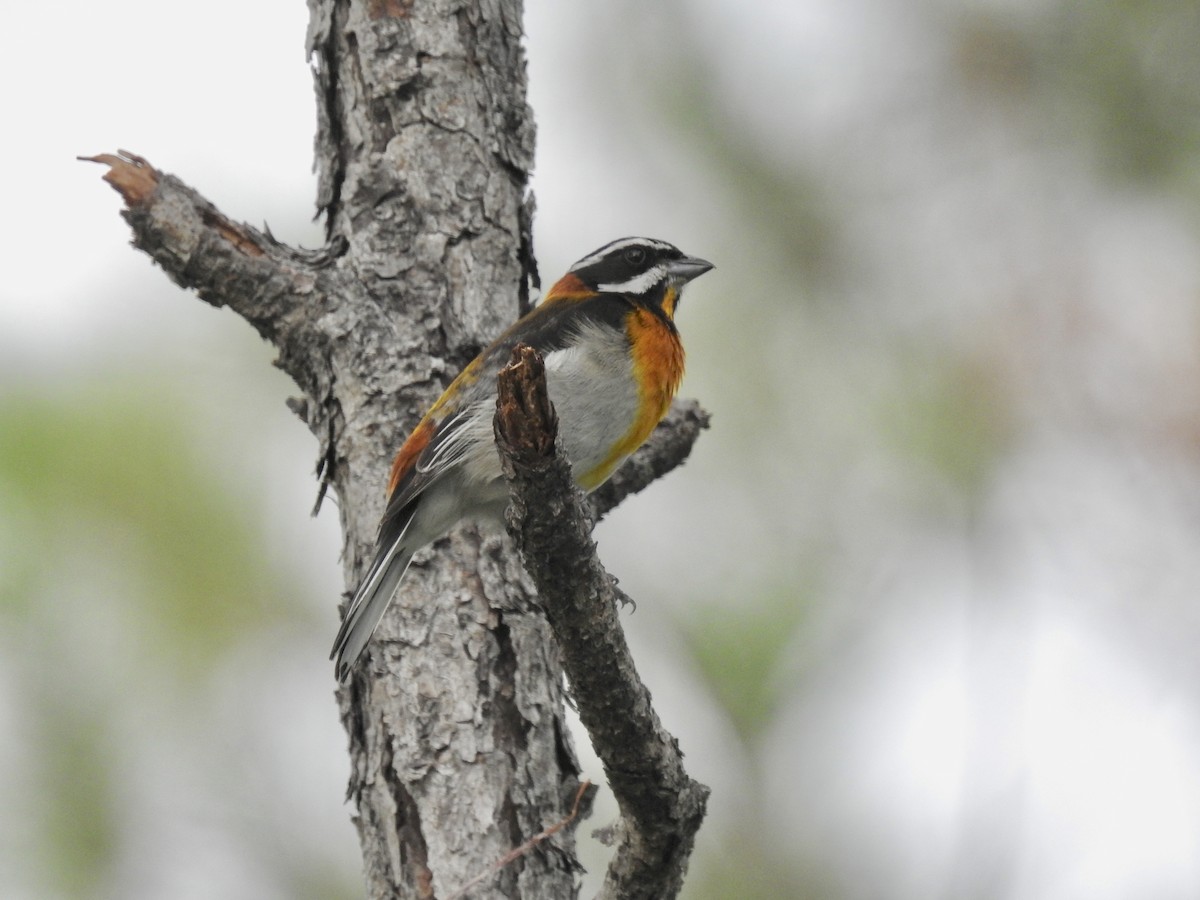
(661, 807)
(458, 744)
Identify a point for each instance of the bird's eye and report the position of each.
(635, 256)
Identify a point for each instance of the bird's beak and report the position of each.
(684, 270)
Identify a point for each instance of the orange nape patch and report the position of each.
(569, 287)
(409, 453)
(657, 357)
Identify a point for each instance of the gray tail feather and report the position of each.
(366, 609)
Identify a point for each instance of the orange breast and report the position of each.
(657, 357)
(658, 365)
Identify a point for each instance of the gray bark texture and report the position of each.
(459, 746)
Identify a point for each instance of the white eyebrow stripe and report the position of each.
(638, 285)
(617, 246)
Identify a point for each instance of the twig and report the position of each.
(668, 447)
(518, 852)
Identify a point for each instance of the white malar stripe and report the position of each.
(638, 285)
(617, 246)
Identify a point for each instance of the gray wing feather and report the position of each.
(369, 603)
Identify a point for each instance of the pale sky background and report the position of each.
(995, 693)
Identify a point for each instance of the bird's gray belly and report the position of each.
(595, 395)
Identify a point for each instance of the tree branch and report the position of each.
(661, 806)
(668, 446)
(272, 286)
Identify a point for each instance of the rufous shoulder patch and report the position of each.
(409, 453)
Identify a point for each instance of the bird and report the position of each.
(613, 362)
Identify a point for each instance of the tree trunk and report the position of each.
(424, 151)
(459, 748)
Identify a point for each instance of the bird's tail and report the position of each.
(369, 603)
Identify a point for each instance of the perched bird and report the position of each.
(613, 362)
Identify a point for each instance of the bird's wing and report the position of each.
(431, 450)
(438, 444)
(441, 439)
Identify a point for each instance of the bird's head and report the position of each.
(647, 271)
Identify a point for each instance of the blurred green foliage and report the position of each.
(78, 812)
(1121, 75)
(112, 524)
(739, 647)
(111, 467)
(1134, 64)
(1115, 81)
(952, 417)
(103, 478)
(745, 870)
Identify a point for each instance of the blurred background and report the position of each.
(922, 609)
